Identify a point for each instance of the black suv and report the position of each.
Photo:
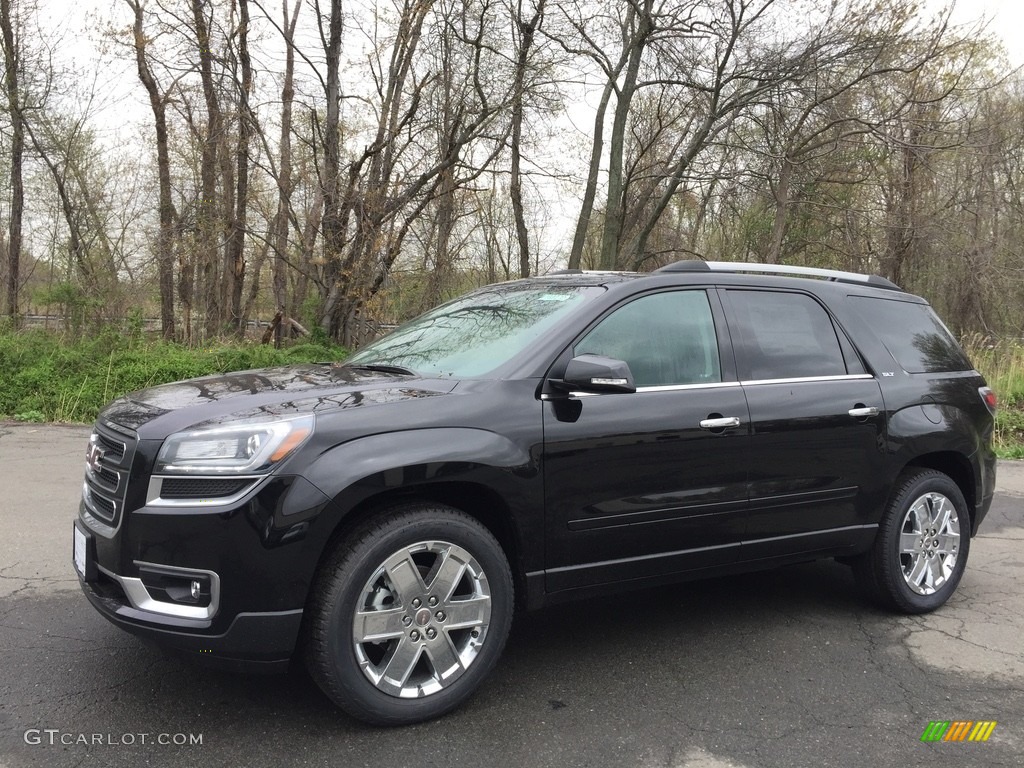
(533, 442)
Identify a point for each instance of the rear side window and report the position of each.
(912, 333)
(784, 336)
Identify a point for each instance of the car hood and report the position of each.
(158, 411)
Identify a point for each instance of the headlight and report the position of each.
(238, 449)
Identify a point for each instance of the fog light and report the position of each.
(169, 586)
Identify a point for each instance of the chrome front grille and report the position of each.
(108, 461)
(112, 444)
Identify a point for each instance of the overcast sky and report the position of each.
(120, 114)
(1007, 21)
(122, 97)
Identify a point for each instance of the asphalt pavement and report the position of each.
(786, 668)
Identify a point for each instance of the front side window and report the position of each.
(665, 338)
(783, 336)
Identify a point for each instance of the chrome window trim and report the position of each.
(140, 599)
(641, 390)
(680, 387)
(808, 379)
(724, 384)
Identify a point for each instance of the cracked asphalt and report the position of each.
(786, 668)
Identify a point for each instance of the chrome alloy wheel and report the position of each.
(929, 543)
(421, 619)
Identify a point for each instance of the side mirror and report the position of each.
(595, 373)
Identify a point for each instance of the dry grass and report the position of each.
(1002, 364)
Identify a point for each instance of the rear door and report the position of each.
(817, 440)
(649, 483)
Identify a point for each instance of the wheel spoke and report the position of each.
(943, 513)
(468, 613)
(909, 543)
(401, 662)
(447, 574)
(917, 572)
(921, 517)
(934, 577)
(443, 658)
(949, 543)
(375, 626)
(405, 577)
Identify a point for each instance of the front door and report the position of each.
(650, 483)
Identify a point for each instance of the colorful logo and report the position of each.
(958, 730)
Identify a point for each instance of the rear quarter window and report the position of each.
(913, 334)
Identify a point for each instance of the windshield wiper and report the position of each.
(396, 369)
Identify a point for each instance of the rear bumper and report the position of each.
(979, 513)
(987, 487)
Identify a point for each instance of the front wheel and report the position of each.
(920, 553)
(409, 614)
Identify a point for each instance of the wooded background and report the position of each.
(351, 163)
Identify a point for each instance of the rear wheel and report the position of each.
(920, 553)
(409, 614)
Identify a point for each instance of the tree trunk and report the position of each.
(11, 75)
(527, 29)
(594, 168)
(284, 173)
(774, 254)
(234, 256)
(332, 225)
(207, 219)
(166, 235)
(615, 210)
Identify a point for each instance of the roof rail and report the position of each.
(780, 269)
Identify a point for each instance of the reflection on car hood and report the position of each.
(308, 388)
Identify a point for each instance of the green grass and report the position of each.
(47, 377)
(1002, 365)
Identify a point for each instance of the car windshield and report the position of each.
(476, 333)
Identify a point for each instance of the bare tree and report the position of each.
(158, 104)
(234, 251)
(391, 182)
(11, 39)
(526, 31)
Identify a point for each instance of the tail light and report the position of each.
(989, 397)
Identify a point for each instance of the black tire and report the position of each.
(921, 580)
(427, 547)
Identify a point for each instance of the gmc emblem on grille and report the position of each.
(93, 456)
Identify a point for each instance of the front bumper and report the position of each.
(253, 642)
(251, 562)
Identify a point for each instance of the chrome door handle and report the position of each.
(720, 423)
(863, 413)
